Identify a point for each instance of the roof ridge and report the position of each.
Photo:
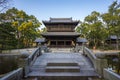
(61, 18)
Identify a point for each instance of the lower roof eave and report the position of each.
(60, 35)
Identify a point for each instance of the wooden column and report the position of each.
(56, 43)
(64, 43)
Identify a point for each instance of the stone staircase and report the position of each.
(61, 71)
(62, 67)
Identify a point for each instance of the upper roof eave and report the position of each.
(48, 22)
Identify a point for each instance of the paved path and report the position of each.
(38, 68)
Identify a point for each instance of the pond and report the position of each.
(8, 63)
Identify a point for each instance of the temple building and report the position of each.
(61, 32)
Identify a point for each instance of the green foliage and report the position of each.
(98, 27)
(21, 30)
(7, 36)
(112, 20)
(92, 28)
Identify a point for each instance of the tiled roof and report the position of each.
(113, 37)
(60, 34)
(81, 40)
(39, 40)
(61, 20)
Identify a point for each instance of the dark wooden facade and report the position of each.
(60, 32)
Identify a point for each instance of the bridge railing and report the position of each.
(33, 56)
(90, 54)
(99, 64)
(110, 75)
(30, 60)
(14, 75)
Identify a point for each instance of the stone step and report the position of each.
(62, 69)
(62, 64)
(37, 69)
(63, 78)
(75, 74)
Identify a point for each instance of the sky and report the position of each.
(77, 9)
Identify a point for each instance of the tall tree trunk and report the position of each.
(103, 44)
(95, 44)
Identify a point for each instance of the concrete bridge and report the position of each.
(62, 66)
(59, 65)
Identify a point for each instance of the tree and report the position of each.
(112, 20)
(83, 29)
(7, 37)
(95, 26)
(25, 26)
(92, 28)
(29, 31)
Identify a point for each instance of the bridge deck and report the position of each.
(38, 68)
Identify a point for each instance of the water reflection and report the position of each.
(8, 63)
